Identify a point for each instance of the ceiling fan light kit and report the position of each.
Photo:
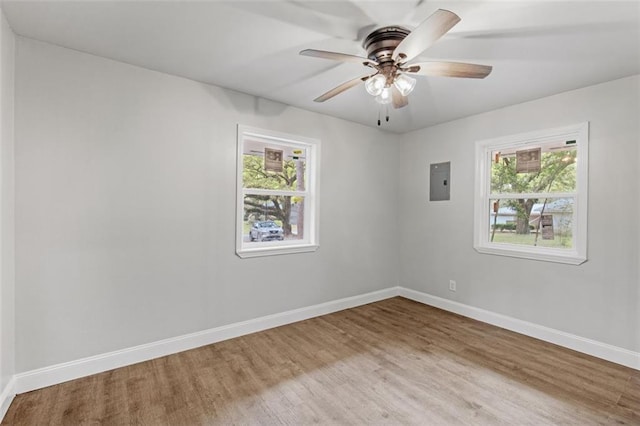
(375, 84)
(389, 51)
(404, 84)
(384, 97)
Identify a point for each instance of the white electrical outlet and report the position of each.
(452, 285)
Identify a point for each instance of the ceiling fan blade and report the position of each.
(334, 56)
(397, 99)
(425, 34)
(450, 69)
(341, 88)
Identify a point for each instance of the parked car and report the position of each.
(266, 231)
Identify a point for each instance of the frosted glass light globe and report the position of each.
(404, 84)
(385, 96)
(375, 84)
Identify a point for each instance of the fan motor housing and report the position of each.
(381, 43)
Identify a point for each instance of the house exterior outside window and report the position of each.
(531, 195)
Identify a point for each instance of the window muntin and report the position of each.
(531, 195)
(276, 186)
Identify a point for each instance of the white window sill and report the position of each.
(570, 257)
(276, 250)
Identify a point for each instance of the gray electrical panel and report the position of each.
(440, 181)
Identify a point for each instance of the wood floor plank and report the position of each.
(390, 362)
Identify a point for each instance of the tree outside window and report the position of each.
(556, 173)
(277, 200)
(531, 197)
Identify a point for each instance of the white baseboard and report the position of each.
(36, 379)
(47, 376)
(7, 395)
(567, 340)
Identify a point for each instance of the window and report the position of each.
(531, 195)
(277, 196)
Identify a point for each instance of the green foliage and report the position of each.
(267, 207)
(270, 207)
(510, 226)
(557, 174)
(255, 176)
(530, 240)
(504, 226)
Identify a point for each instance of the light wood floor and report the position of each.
(391, 362)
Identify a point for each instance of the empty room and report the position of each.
(319, 212)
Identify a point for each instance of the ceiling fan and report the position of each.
(389, 52)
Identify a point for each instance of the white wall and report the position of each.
(125, 186)
(125, 208)
(7, 324)
(597, 300)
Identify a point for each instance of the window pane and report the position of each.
(273, 167)
(544, 222)
(273, 218)
(549, 167)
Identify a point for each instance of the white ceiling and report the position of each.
(537, 48)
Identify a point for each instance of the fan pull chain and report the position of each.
(386, 113)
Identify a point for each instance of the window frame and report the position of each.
(310, 242)
(484, 148)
